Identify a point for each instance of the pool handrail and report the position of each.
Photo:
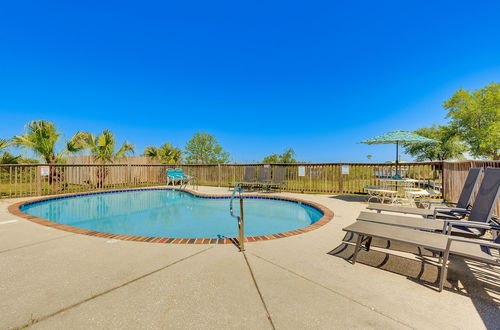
(240, 217)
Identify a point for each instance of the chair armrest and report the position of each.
(449, 210)
(474, 241)
(495, 219)
(472, 224)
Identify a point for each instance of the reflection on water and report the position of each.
(171, 213)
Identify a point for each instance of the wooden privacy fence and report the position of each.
(335, 178)
(330, 178)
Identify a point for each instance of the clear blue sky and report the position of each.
(260, 75)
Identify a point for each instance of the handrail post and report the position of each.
(240, 218)
(241, 226)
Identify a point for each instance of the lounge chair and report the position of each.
(183, 178)
(278, 179)
(172, 177)
(248, 178)
(463, 202)
(177, 176)
(481, 211)
(446, 245)
(263, 177)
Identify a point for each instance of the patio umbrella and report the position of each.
(397, 137)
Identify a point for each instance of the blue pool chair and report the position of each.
(172, 177)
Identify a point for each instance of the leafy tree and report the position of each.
(475, 116)
(165, 154)
(287, 157)
(272, 159)
(41, 137)
(447, 146)
(203, 148)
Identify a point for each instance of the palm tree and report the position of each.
(3, 144)
(41, 137)
(165, 154)
(7, 157)
(102, 148)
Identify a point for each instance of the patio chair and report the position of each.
(463, 201)
(183, 178)
(172, 177)
(263, 177)
(481, 211)
(445, 245)
(248, 178)
(278, 179)
(420, 223)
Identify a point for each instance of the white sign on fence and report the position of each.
(302, 170)
(44, 170)
(345, 169)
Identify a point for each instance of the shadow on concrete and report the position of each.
(477, 281)
(351, 198)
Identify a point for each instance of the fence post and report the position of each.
(38, 181)
(442, 180)
(218, 166)
(341, 180)
(129, 175)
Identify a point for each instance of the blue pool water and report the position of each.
(173, 213)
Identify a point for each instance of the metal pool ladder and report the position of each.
(241, 219)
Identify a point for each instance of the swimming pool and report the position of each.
(172, 213)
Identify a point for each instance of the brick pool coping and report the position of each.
(15, 209)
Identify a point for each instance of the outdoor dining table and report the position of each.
(394, 190)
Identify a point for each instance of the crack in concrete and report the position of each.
(36, 243)
(373, 309)
(269, 318)
(43, 318)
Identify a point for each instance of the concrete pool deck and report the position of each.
(53, 279)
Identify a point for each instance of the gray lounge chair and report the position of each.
(417, 223)
(263, 177)
(278, 179)
(481, 211)
(463, 201)
(446, 245)
(248, 178)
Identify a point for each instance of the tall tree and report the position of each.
(203, 148)
(447, 145)
(475, 115)
(165, 154)
(41, 137)
(287, 157)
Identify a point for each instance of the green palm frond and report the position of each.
(166, 153)
(78, 142)
(8, 158)
(125, 150)
(41, 137)
(4, 143)
(152, 152)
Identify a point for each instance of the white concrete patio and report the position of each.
(52, 279)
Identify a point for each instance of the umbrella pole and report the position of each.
(397, 156)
